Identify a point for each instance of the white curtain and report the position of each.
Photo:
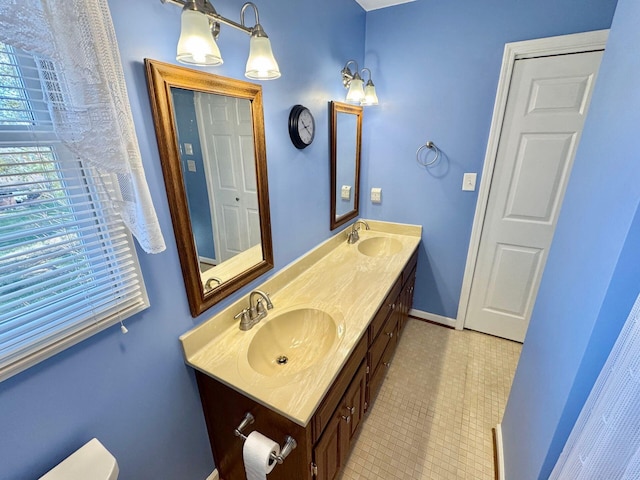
(92, 116)
(605, 441)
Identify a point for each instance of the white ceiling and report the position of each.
(376, 4)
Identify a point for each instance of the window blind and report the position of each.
(68, 266)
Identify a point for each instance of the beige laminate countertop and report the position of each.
(334, 277)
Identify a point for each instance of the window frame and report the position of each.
(83, 178)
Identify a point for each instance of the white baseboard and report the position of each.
(432, 317)
(499, 453)
(214, 475)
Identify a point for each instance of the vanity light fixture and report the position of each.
(370, 96)
(200, 29)
(358, 92)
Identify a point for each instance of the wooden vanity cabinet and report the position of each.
(324, 444)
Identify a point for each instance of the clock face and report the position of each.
(301, 126)
(306, 127)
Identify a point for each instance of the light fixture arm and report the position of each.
(205, 7)
(347, 74)
(368, 81)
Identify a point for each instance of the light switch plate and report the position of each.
(376, 195)
(345, 192)
(188, 149)
(469, 182)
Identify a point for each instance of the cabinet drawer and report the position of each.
(377, 376)
(332, 398)
(388, 306)
(379, 345)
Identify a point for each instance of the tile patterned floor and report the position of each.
(432, 419)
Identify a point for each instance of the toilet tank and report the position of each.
(90, 462)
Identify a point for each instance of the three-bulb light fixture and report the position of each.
(200, 29)
(358, 92)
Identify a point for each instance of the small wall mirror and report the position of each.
(346, 132)
(210, 133)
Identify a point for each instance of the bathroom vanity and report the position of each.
(338, 312)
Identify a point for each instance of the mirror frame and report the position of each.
(334, 109)
(161, 77)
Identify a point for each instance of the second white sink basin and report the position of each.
(292, 341)
(379, 246)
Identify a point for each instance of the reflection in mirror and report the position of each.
(346, 132)
(346, 162)
(210, 133)
(215, 136)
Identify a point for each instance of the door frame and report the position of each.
(564, 44)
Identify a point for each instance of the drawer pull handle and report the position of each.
(392, 306)
(390, 334)
(351, 410)
(386, 364)
(346, 418)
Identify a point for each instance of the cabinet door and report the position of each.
(333, 447)
(353, 402)
(329, 451)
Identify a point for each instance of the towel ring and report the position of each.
(431, 146)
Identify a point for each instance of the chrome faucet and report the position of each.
(255, 312)
(353, 236)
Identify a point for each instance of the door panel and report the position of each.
(546, 108)
(540, 170)
(514, 271)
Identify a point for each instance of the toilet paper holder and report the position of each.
(289, 442)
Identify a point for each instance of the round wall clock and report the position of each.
(302, 127)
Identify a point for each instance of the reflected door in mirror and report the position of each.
(215, 134)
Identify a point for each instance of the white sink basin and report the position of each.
(292, 341)
(379, 246)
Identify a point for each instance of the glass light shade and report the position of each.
(196, 45)
(261, 64)
(370, 97)
(356, 90)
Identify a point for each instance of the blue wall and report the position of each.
(134, 391)
(195, 182)
(436, 68)
(592, 276)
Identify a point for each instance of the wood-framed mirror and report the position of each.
(345, 123)
(210, 132)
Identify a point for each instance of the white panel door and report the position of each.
(546, 108)
(226, 134)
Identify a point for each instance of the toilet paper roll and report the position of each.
(257, 456)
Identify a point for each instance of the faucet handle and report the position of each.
(245, 320)
(260, 309)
